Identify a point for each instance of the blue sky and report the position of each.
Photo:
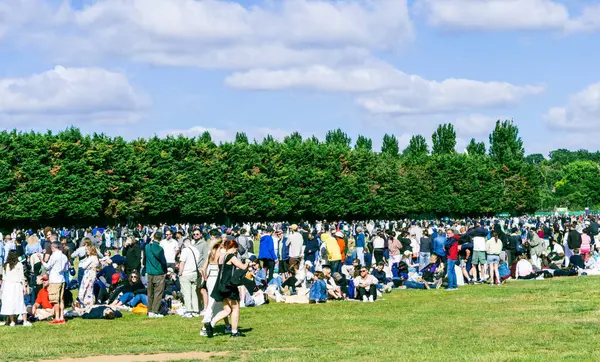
(142, 67)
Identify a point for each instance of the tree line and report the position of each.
(72, 178)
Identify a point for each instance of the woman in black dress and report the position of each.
(225, 292)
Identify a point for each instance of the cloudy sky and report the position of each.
(137, 68)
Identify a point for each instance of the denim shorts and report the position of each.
(493, 259)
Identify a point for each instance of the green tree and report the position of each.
(535, 159)
(363, 143)
(338, 137)
(579, 185)
(417, 147)
(506, 147)
(241, 138)
(444, 140)
(390, 146)
(475, 148)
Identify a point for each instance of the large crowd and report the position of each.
(210, 271)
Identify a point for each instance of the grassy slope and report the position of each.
(526, 320)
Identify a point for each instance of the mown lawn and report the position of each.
(523, 320)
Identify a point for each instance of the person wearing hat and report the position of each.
(295, 242)
(339, 237)
(42, 308)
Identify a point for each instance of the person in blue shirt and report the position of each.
(266, 252)
(360, 245)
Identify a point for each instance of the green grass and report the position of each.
(548, 320)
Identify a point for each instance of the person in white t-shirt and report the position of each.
(188, 275)
(295, 243)
(171, 248)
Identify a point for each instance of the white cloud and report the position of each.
(581, 113)
(85, 94)
(386, 90)
(475, 125)
(492, 15)
(495, 14)
(219, 33)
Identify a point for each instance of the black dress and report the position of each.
(222, 289)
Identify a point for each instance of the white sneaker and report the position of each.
(365, 299)
(158, 315)
(187, 315)
(202, 313)
(12, 324)
(203, 333)
(371, 299)
(196, 315)
(27, 324)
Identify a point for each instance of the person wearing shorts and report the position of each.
(479, 259)
(494, 248)
(57, 266)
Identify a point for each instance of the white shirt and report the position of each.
(558, 249)
(170, 247)
(295, 241)
(378, 242)
(524, 268)
(190, 256)
(57, 265)
(478, 243)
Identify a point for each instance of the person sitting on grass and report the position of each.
(318, 290)
(132, 292)
(366, 286)
(42, 308)
(384, 284)
(333, 290)
(524, 269)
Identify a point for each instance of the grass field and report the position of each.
(548, 320)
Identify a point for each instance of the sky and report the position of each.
(139, 68)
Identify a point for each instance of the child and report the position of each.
(318, 291)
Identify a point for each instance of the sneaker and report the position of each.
(27, 324)
(365, 299)
(202, 313)
(228, 329)
(471, 282)
(237, 334)
(371, 299)
(209, 330)
(203, 333)
(187, 315)
(451, 289)
(195, 315)
(158, 315)
(12, 324)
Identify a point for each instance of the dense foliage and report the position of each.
(73, 178)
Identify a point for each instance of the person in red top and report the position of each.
(339, 237)
(452, 257)
(42, 309)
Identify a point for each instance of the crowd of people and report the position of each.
(210, 272)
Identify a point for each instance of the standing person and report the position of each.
(334, 255)
(266, 252)
(202, 246)
(133, 253)
(452, 257)
(378, 247)
(170, 247)
(210, 271)
(89, 265)
(156, 268)
(479, 259)
(295, 242)
(188, 278)
(246, 247)
(57, 267)
(360, 245)
(494, 248)
(425, 249)
(227, 293)
(13, 289)
(514, 242)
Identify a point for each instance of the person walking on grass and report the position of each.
(156, 268)
(226, 292)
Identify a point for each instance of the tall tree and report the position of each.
(390, 146)
(444, 140)
(338, 137)
(363, 143)
(241, 138)
(475, 148)
(417, 147)
(505, 144)
(293, 140)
